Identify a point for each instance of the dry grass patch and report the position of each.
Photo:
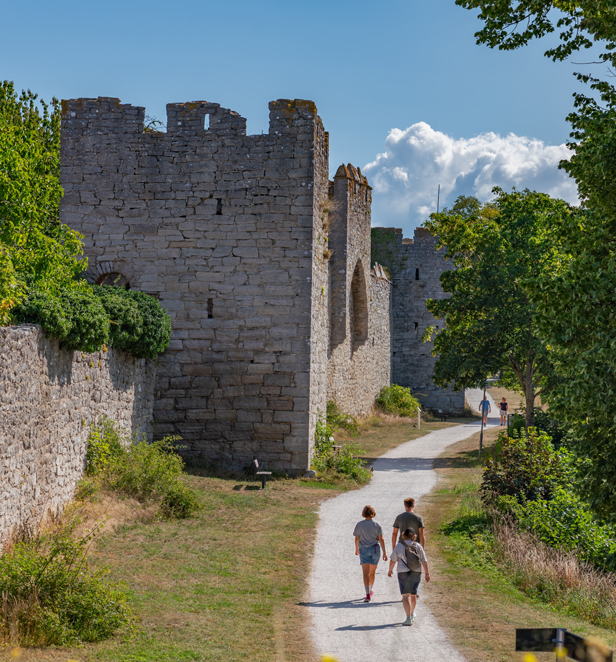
(480, 608)
(379, 433)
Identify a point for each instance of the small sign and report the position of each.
(578, 648)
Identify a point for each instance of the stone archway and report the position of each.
(359, 302)
(113, 278)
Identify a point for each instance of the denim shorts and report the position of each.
(370, 554)
(409, 582)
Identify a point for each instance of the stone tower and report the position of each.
(230, 233)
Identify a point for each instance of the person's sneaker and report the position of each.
(367, 598)
(412, 618)
(371, 593)
(408, 621)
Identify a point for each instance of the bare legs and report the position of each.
(369, 572)
(409, 602)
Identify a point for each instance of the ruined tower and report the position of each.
(230, 233)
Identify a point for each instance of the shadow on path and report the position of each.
(349, 604)
(360, 628)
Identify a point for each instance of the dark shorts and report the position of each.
(370, 555)
(409, 582)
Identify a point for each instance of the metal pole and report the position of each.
(481, 433)
(418, 418)
(560, 644)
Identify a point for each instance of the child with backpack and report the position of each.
(411, 560)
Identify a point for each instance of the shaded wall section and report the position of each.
(48, 400)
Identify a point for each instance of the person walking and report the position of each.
(368, 536)
(485, 408)
(503, 406)
(408, 520)
(411, 560)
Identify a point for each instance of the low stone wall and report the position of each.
(48, 399)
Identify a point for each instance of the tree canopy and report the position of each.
(496, 248)
(34, 246)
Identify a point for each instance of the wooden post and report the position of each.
(418, 418)
(481, 433)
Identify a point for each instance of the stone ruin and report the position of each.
(263, 264)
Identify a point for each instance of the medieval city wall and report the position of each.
(221, 227)
(48, 399)
(417, 269)
(360, 348)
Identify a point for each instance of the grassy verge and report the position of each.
(478, 605)
(225, 583)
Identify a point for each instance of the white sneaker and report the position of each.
(412, 618)
(408, 621)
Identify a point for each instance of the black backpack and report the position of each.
(413, 560)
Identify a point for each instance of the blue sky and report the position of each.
(370, 67)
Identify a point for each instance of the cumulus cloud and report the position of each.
(405, 177)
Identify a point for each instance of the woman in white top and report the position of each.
(411, 560)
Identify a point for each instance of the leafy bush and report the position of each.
(336, 419)
(396, 399)
(338, 463)
(526, 467)
(51, 596)
(141, 470)
(85, 318)
(139, 324)
(566, 523)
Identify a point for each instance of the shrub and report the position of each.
(51, 596)
(396, 399)
(84, 318)
(336, 419)
(139, 324)
(338, 463)
(46, 310)
(566, 523)
(141, 470)
(89, 323)
(526, 467)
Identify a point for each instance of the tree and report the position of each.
(34, 246)
(575, 303)
(495, 247)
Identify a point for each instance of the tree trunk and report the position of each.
(529, 392)
(525, 375)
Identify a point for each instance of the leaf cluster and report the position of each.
(496, 248)
(52, 596)
(86, 318)
(35, 248)
(396, 399)
(135, 468)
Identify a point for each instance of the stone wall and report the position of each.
(48, 399)
(221, 227)
(261, 262)
(355, 377)
(417, 269)
(360, 349)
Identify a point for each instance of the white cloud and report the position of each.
(405, 177)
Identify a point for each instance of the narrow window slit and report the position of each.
(210, 309)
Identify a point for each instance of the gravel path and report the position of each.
(342, 625)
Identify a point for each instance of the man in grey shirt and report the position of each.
(408, 520)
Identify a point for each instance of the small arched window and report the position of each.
(113, 278)
(359, 301)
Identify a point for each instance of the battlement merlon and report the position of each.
(107, 115)
(101, 116)
(351, 172)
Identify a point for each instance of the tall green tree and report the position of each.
(575, 302)
(34, 246)
(495, 249)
